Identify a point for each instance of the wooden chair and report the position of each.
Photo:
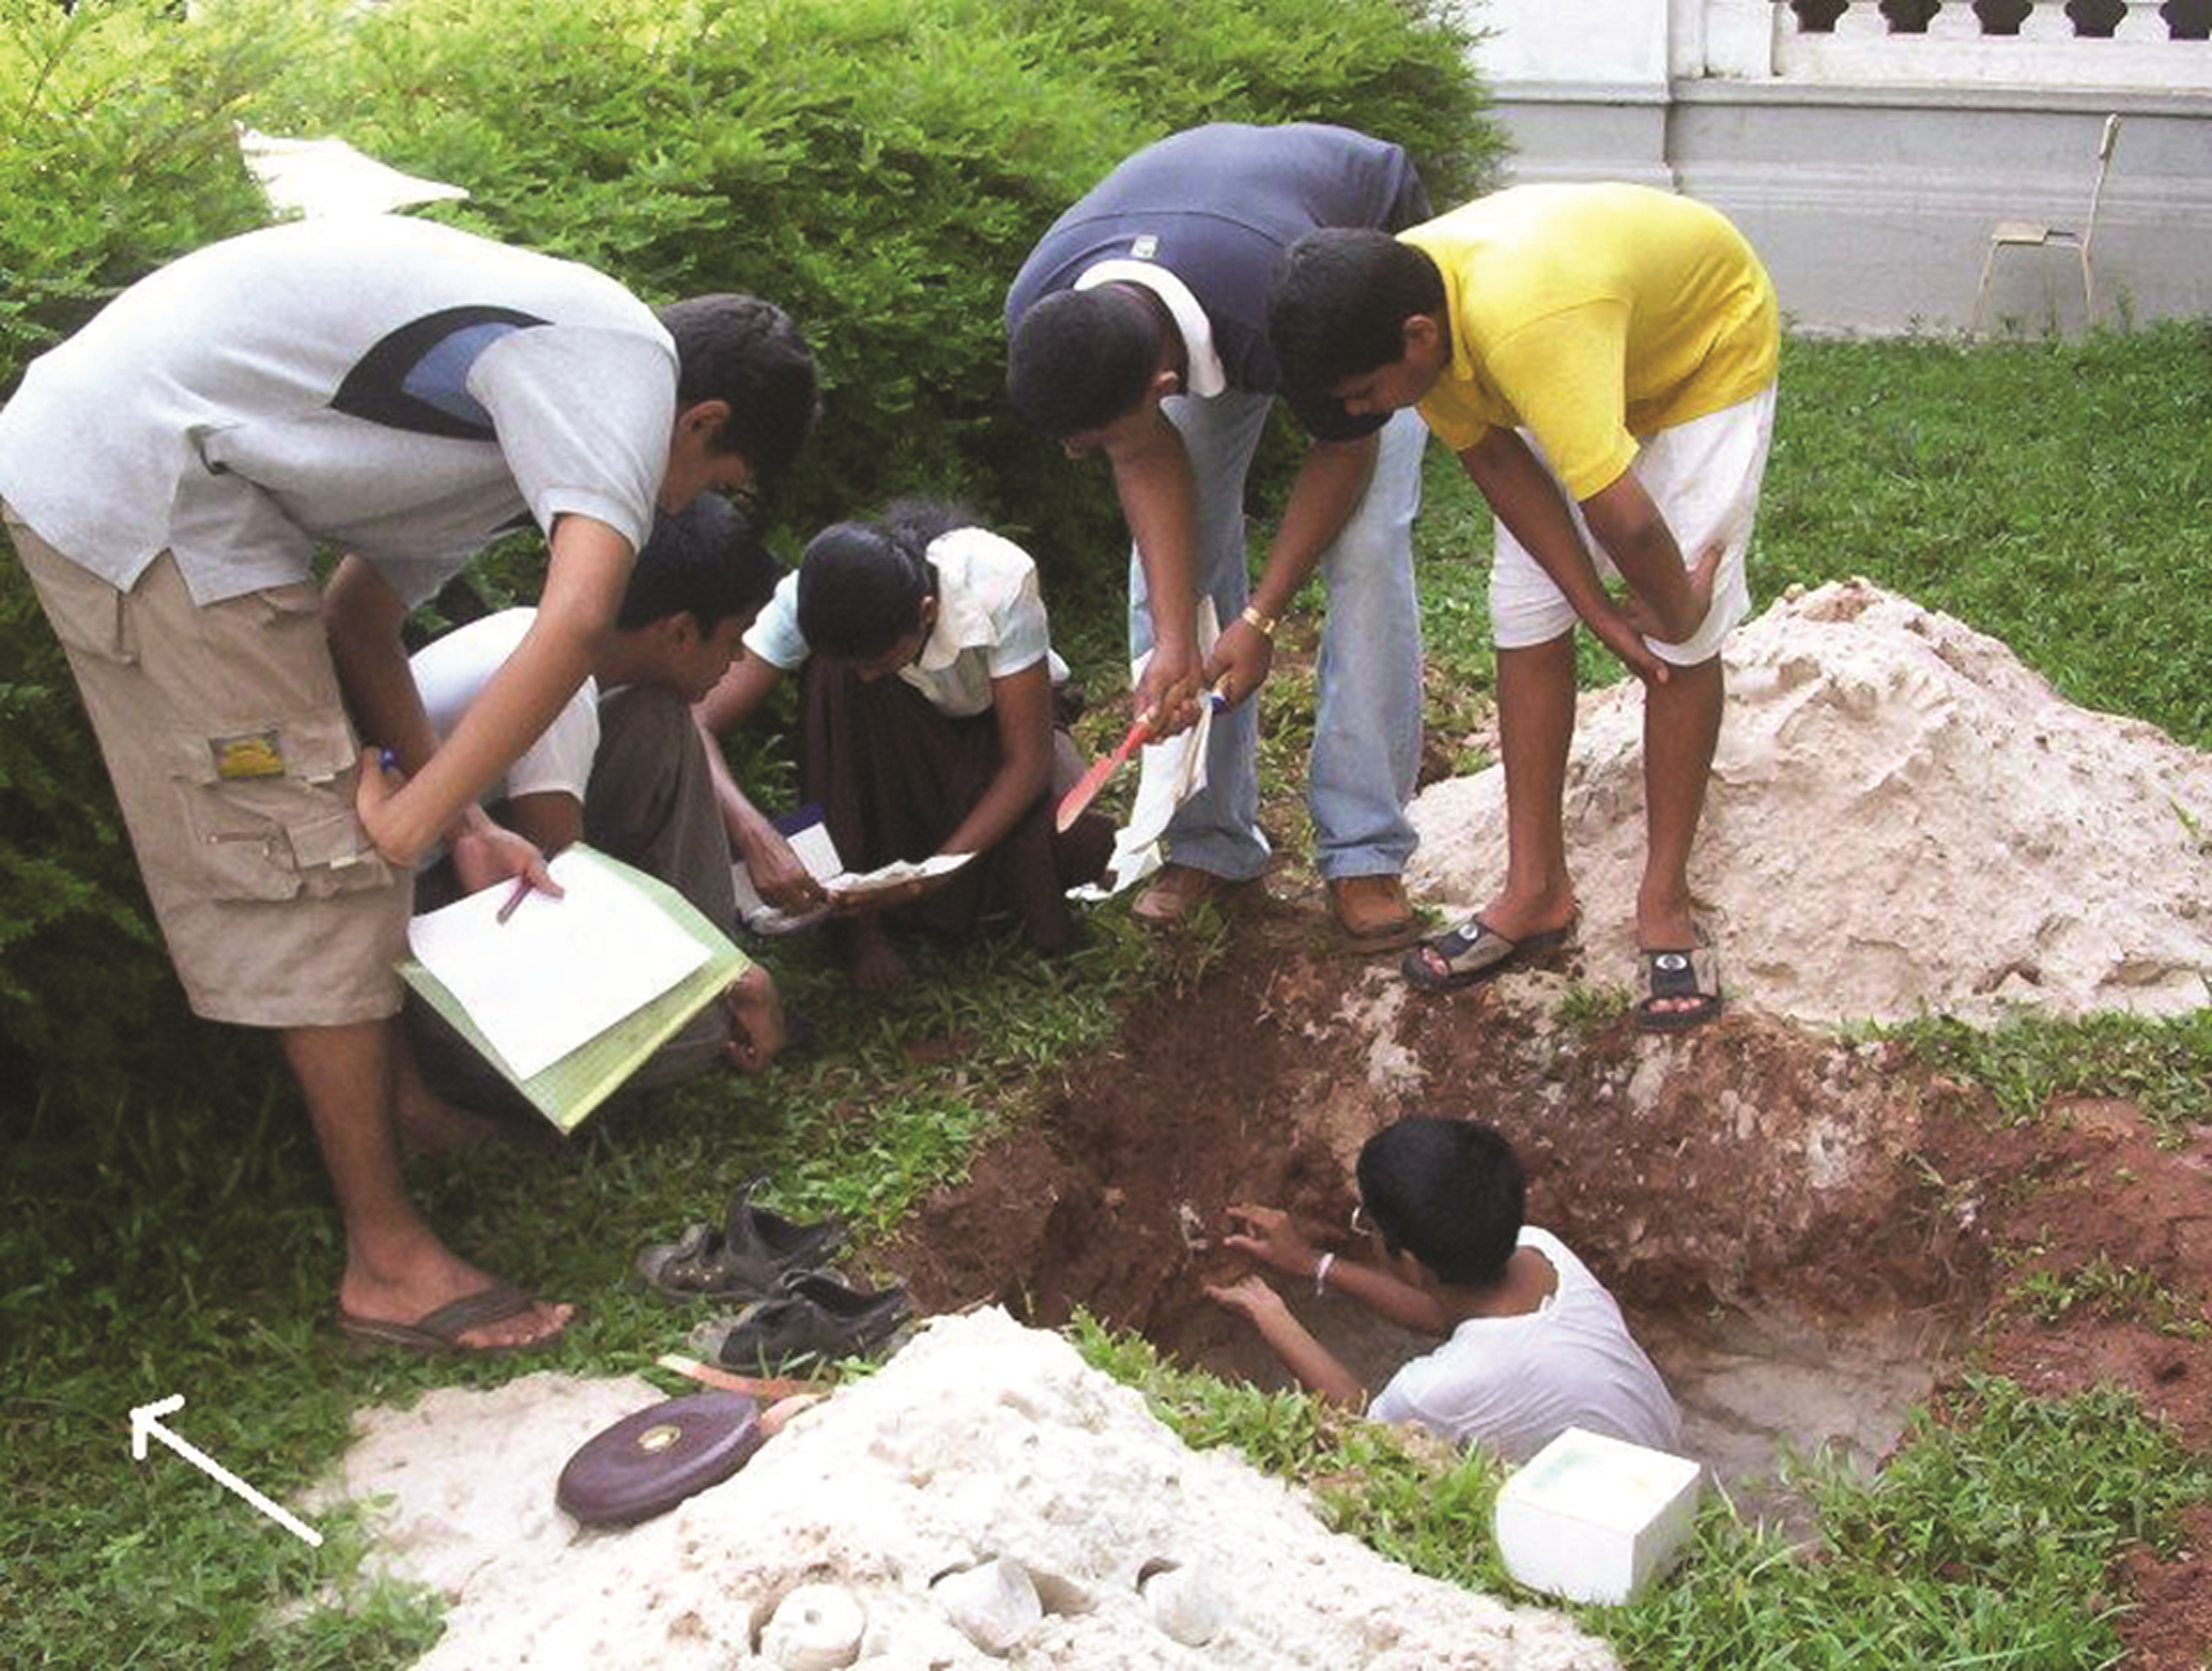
(2027, 234)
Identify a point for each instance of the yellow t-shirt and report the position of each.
(1590, 315)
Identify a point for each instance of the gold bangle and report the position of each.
(1263, 624)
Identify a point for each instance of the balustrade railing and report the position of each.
(2148, 43)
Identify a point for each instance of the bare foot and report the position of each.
(435, 1277)
(874, 965)
(757, 1026)
(1668, 927)
(1516, 916)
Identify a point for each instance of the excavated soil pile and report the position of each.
(1902, 817)
(985, 1500)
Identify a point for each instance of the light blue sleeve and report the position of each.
(774, 636)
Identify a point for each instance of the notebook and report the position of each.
(569, 996)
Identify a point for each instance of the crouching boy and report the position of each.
(623, 767)
(1533, 1343)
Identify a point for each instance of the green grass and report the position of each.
(2165, 1064)
(1986, 1540)
(2053, 495)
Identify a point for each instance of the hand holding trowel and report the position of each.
(1073, 804)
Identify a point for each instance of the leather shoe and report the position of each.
(817, 1319)
(748, 1257)
(1372, 910)
(1178, 890)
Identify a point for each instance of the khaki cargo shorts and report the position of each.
(230, 751)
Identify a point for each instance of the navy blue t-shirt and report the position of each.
(1217, 206)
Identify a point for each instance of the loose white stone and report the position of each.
(817, 1627)
(996, 1605)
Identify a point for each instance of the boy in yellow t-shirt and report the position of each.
(1602, 358)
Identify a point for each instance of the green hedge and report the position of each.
(878, 166)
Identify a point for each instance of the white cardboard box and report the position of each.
(1592, 1518)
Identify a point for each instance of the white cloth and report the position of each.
(399, 389)
(1204, 375)
(990, 624)
(452, 672)
(1512, 1384)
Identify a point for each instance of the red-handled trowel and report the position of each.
(1087, 788)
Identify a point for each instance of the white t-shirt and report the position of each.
(400, 389)
(1512, 1384)
(990, 624)
(453, 671)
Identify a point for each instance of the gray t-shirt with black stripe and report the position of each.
(402, 389)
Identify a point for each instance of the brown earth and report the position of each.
(1751, 1178)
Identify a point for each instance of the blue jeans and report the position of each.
(1367, 720)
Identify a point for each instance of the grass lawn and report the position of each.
(2057, 495)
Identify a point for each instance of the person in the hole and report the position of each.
(1533, 1343)
(926, 725)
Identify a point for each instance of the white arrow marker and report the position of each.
(145, 1421)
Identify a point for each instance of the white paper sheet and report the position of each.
(558, 972)
(856, 885)
(811, 846)
(312, 177)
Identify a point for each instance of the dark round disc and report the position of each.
(648, 1463)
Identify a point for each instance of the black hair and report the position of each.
(1339, 300)
(1448, 1192)
(1081, 359)
(747, 352)
(704, 561)
(861, 585)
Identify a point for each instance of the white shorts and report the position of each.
(1703, 476)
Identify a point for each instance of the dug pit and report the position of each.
(1749, 1193)
(1902, 818)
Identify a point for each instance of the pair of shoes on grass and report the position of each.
(797, 1313)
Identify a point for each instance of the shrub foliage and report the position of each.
(878, 166)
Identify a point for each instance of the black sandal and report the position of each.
(1475, 952)
(1690, 972)
(747, 1258)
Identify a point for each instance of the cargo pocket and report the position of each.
(269, 813)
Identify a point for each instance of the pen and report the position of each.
(506, 910)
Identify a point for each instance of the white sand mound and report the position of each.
(1901, 817)
(985, 1499)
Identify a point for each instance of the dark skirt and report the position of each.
(894, 777)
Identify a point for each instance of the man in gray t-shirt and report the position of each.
(405, 392)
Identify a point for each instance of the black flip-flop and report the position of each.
(440, 1331)
(1475, 952)
(1685, 972)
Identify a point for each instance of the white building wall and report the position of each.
(1869, 167)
